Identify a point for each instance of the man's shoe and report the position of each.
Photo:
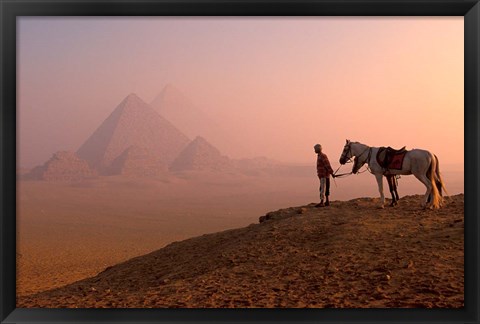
(320, 204)
(327, 203)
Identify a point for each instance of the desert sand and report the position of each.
(351, 254)
(67, 231)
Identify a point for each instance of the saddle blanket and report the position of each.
(397, 161)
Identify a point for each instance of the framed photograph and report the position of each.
(239, 161)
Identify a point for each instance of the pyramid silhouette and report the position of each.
(135, 123)
(200, 155)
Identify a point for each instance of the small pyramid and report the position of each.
(200, 155)
(62, 166)
(137, 161)
(135, 123)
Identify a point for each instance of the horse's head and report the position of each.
(346, 154)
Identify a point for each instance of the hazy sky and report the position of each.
(278, 85)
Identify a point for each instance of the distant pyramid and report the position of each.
(62, 166)
(133, 122)
(137, 161)
(175, 106)
(169, 97)
(200, 155)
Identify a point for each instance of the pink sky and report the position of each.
(277, 85)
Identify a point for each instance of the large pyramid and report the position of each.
(200, 155)
(132, 123)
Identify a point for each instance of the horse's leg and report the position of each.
(394, 182)
(380, 189)
(391, 186)
(397, 198)
(394, 194)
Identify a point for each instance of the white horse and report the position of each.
(421, 163)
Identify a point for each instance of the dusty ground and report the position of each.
(71, 231)
(351, 254)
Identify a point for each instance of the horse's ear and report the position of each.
(347, 141)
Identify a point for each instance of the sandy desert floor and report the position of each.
(70, 231)
(351, 254)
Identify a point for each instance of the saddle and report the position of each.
(390, 158)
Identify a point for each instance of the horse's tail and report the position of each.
(433, 175)
(438, 178)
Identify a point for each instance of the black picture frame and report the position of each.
(10, 10)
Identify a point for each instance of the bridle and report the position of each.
(369, 149)
(344, 153)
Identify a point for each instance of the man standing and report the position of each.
(324, 170)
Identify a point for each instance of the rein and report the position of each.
(341, 174)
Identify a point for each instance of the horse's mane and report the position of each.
(358, 143)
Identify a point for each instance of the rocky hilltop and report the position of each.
(350, 255)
